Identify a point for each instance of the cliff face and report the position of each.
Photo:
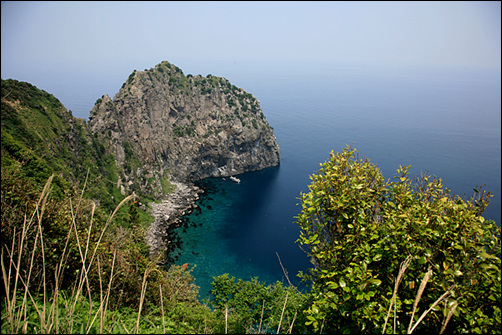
(190, 127)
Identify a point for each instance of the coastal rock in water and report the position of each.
(184, 128)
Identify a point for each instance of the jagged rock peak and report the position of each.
(191, 127)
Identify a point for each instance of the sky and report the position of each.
(61, 45)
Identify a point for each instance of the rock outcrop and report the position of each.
(163, 124)
(167, 130)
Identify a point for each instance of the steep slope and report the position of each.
(165, 124)
(41, 137)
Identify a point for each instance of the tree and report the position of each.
(390, 250)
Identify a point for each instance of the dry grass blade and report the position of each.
(132, 196)
(83, 189)
(292, 323)
(109, 289)
(162, 309)
(402, 268)
(447, 293)
(6, 278)
(419, 295)
(125, 328)
(142, 298)
(101, 303)
(450, 314)
(261, 318)
(43, 197)
(282, 314)
(285, 272)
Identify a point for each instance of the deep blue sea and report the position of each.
(444, 122)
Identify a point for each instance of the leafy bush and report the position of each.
(375, 245)
(250, 306)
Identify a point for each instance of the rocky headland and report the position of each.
(168, 130)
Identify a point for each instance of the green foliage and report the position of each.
(359, 228)
(130, 79)
(231, 103)
(167, 187)
(41, 137)
(251, 306)
(182, 131)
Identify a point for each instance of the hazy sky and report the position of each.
(78, 39)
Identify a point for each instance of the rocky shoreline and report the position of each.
(167, 216)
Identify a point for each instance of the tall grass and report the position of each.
(57, 311)
(75, 285)
(448, 310)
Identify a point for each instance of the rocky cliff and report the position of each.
(165, 124)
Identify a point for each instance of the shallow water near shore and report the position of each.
(227, 233)
(445, 123)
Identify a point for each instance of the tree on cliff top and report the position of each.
(386, 253)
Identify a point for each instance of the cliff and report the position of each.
(161, 131)
(163, 124)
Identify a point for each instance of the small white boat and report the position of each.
(237, 180)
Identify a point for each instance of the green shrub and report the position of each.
(250, 306)
(359, 229)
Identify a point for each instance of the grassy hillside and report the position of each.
(41, 137)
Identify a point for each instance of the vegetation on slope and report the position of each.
(40, 137)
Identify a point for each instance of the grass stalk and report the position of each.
(261, 318)
(162, 310)
(446, 294)
(402, 268)
(125, 328)
(110, 218)
(109, 289)
(40, 234)
(292, 323)
(142, 297)
(282, 313)
(6, 279)
(450, 314)
(419, 295)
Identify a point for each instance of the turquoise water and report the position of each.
(446, 123)
(239, 230)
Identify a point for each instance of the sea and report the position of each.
(444, 122)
